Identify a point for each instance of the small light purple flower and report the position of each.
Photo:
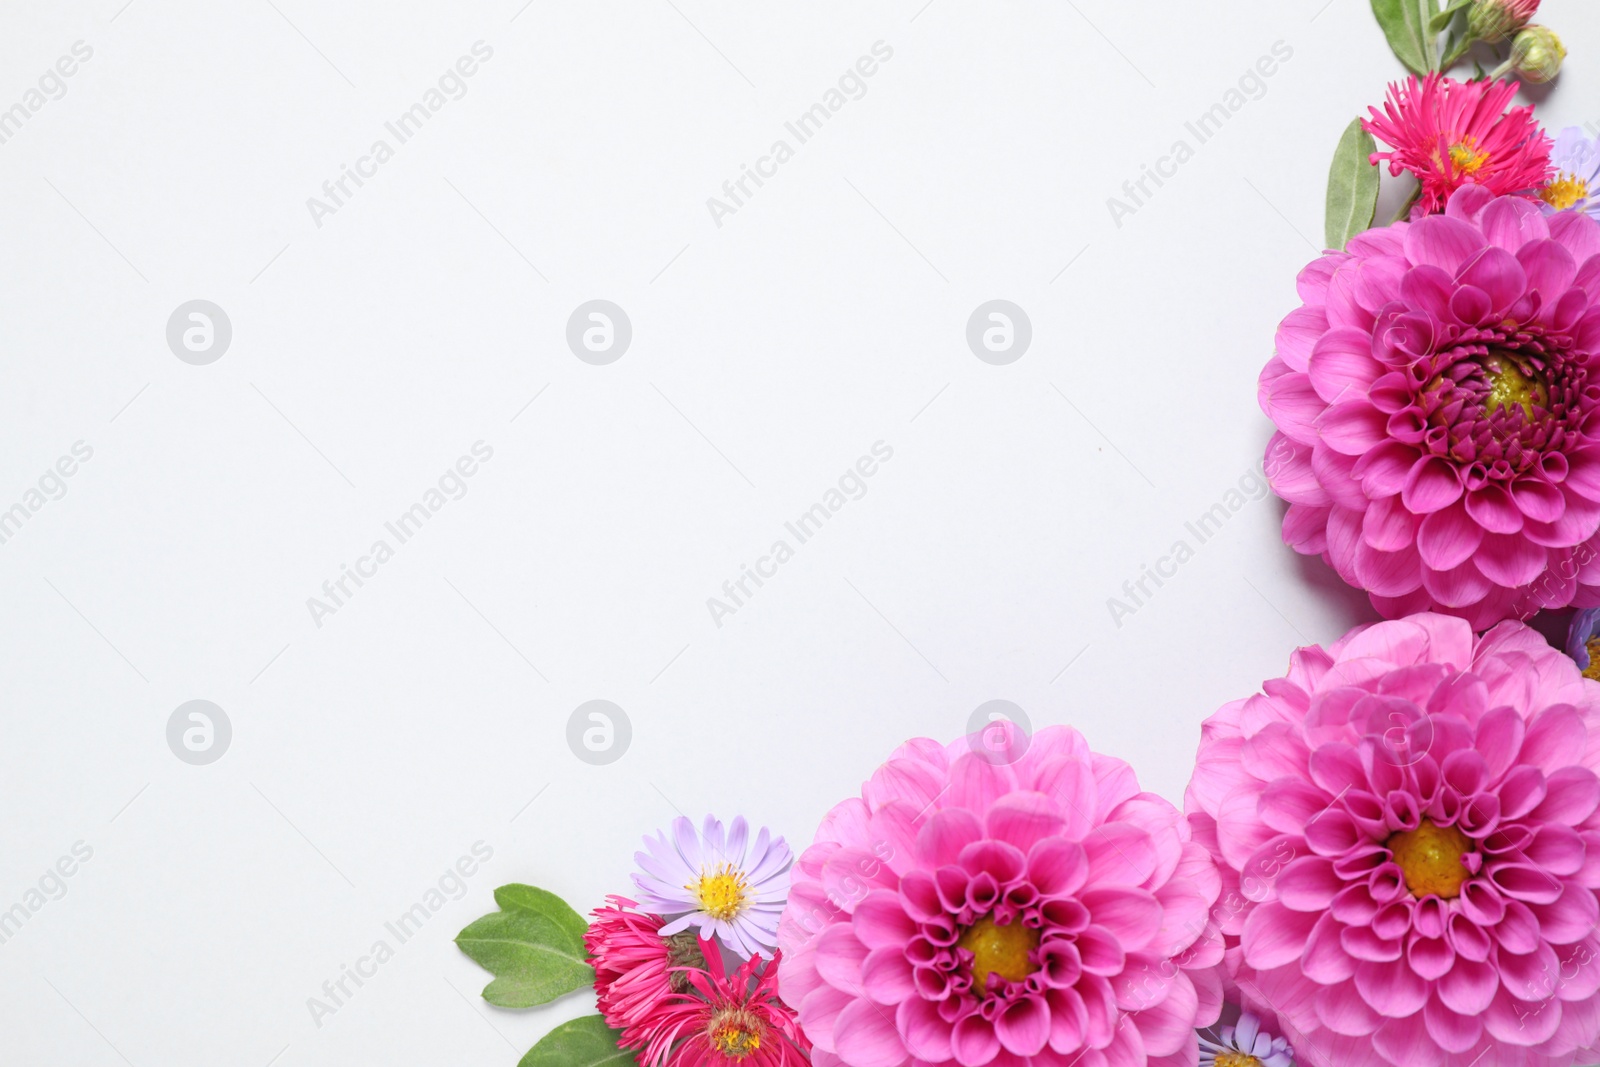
(723, 884)
(1576, 184)
(1245, 1044)
(1585, 627)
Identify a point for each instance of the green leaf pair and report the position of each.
(534, 947)
(1352, 187)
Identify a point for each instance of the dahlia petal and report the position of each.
(1469, 202)
(1120, 854)
(1342, 1009)
(1580, 978)
(1430, 957)
(975, 1042)
(1289, 472)
(880, 920)
(1428, 289)
(1133, 916)
(1431, 484)
(1459, 587)
(1550, 268)
(1538, 500)
(1583, 472)
(1071, 785)
(886, 975)
(1510, 560)
(926, 1035)
(1341, 364)
(1532, 977)
(1298, 333)
(1492, 508)
(1274, 935)
(1384, 469)
(1571, 796)
(1499, 274)
(1448, 537)
(1100, 952)
(1023, 1026)
(1308, 884)
(1471, 306)
(1520, 1023)
(1570, 918)
(865, 1035)
(838, 959)
(1452, 1031)
(1169, 1026)
(1293, 405)
(1351, 427)
(945, 834)
(1407, 1041)
(1442, 242)
(1469, 987)
(1389, 526)
(1058, 867)
(1024, 819)
(1511, 223)
(1554, 736)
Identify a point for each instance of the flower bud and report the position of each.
(1536, 54)
(1496, 20)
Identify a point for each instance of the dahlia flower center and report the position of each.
(1466, 155)
(721, 891)
(735, 1033)
(1003, 950)
(1431, 859)
(1513, 382)
(1236, 1059)
(1565, 191)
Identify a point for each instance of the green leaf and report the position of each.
(518, 897)
(1402, 23)
(1352, 187)
(585, 1042)
(1442, 19)
(534, 948)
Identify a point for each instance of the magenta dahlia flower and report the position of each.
(1435, 399)
(1451, 134)
(1408, 834)
(1042, 913)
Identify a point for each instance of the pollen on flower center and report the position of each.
(1593, 669)
(1466, 155)
(1564, 191)
(1431, 859)
(1236, 1059)
(736, 1034)
(721, 891)
(1002, 950)
(1513, 382)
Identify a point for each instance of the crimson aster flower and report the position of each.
(1408, 835)
(1041, 913)
(1435, 400)
(722, 1020)
(635, 967)
(1450, 134)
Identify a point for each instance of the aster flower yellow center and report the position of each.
(1593, 669)
(721, 891)
(996, 949)
(735, 1033)
(1564, 191)
(1466, 155)
(1512, 383)
(1236, 1059)
(1430, 859)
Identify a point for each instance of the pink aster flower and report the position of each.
(1435, 399)
(1451, 133)
(1042, 913)
(635, 967)
(1408, 834)
(723, 1020)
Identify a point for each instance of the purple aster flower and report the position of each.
(1576, 185)
(1245, 1044)
(1582, 638)
(722, 884)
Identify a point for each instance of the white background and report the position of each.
(768, 354)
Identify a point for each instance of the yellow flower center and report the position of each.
(736, 1034)
(1466, 156)
(1564, 191)
(1430, 859)
(721, 891)
(1513, 382)
(1237, 1059)
(1593, 669)
(1002, 950)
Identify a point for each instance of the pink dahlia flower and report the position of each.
(1451, 134)
(1435, 399)
(1408, 834)
(1042, 913)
